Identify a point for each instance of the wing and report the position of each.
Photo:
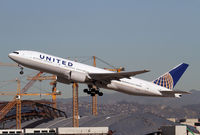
(114, 76)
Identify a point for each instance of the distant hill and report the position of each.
(185, 107)
(188, 99)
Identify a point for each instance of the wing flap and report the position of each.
(115, 76)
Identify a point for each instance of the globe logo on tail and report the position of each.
(165, 81)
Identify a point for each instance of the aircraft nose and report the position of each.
(10, 55)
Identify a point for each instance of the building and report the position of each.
(179, 130)
(58, 131)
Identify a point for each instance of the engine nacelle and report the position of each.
(78, 76)
(63, 80)
(73, 76)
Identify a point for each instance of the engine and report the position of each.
(72, 76)
(63, 80)
(78, 76)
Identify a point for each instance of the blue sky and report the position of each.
(136, 34)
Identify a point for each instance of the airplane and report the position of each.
(68, 71)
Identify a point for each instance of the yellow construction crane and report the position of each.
(94, 98)
(29, 94)
(75, 105)
(18, 106)
(115, 69)
(53, 83)
(16, 100)
(75, 96)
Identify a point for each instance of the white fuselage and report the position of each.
(61, 67)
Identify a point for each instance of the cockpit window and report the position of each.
(16, 52)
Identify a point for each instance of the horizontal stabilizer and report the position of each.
(174, 92)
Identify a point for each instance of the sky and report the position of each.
(136, 34)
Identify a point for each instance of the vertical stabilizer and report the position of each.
(170, 78)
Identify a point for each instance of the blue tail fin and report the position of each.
(170, 78)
